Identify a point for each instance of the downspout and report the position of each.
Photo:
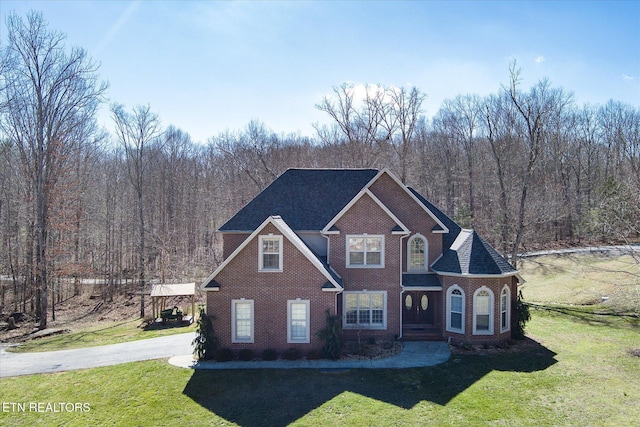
(401, 286)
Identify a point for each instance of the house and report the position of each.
(362, 245)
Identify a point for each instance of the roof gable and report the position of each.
(306, 199)
(332, 278)
(441, 227)
(399, 228)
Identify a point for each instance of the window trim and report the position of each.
(370, 326)
(234, 338)
(261, 254)
(506, 309)
(364, 236)
(290, 339)
(462, 313)
(426, 253)
(491, 312)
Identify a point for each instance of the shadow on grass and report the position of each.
(280, 397)
(588, 315)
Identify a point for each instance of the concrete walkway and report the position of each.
(14, 364)
(414, 354)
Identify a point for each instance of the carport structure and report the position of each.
(160, 293)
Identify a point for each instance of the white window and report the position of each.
(505, 310)
(455, 309)
(365, 310)
(365, 251)
(270, 257)
(242, 320)
(298, 321)
(483, 311)
(417, 254)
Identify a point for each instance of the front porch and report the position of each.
(421, 315)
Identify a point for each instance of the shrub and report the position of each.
(246, 354)
(269, 354)
(331, 336)
(314, 354)
(523, 315)
(224, 355)
(206, 342)
(292, 354)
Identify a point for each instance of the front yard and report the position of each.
(579, 370)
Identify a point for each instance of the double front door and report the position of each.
(419, 308)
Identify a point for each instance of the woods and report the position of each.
(526, 167)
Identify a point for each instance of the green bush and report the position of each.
(206, 342)
(224, 355)
(523, 315)
(269, 354)
(331, 336)
(292, 354)
(314, 354)
(246, 354)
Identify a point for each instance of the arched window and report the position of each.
(505, 309)
(455, 309)
(483, 311)
(417, 254)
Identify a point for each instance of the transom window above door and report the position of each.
(365, 251)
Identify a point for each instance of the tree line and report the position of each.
(526, 167)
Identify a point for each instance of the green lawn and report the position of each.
(583, 280)
(100, 334)
(578, 371)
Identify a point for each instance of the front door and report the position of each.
(418, 309)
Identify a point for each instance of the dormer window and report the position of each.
(417, 254)
(270, 257)
(365, 251)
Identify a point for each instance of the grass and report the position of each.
(583, 280)
(101, 334)
(577, 369)
(580, 372)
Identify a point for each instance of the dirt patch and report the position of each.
(512, 346)
(371, 351)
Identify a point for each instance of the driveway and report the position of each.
(14, 364)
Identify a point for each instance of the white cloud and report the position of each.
(117, 26)
(539, 59)
(627, 78)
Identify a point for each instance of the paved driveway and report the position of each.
(14, 364)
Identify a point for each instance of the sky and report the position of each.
(209, 67)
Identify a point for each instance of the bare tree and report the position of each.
(360, 120)
(47, 95)
(137, 131)
(403, 109)
(464, 114)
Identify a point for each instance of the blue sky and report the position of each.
(207, 67)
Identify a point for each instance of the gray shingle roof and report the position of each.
(306, 199)
(410, 280)
(470, 254)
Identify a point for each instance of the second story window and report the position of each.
(270, 257)
(365, 251)
(417, 260)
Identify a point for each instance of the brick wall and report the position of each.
(270, 292)
(405, 208)
(365, 216)
(469, 286)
